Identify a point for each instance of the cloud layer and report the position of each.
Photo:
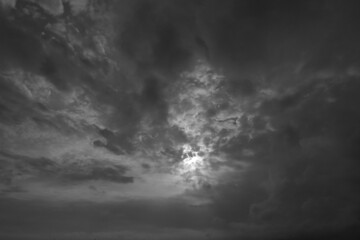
(201, 119)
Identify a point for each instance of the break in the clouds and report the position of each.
(179, 119)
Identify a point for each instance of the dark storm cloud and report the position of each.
(155, 36)
(118, 143)
(11, 102)
(23, 49)
(308, 168)
(114, 174)
(19, 47)
(30, 42)
(16, 165)
(37, 163)
(235, 200)
(250, 39)
(157, 39)
(24, 45)
(314, 119)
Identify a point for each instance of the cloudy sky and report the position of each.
(179, 119)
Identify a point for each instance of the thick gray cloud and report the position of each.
(62, 172)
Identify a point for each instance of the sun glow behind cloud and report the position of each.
(193, 167)
(197, 93)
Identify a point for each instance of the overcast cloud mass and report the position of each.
(188, 119)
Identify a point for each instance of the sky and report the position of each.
(179, 119)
